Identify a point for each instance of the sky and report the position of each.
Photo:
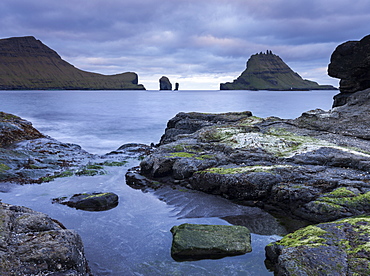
(197, 43)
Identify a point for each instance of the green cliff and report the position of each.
(26, 63)
(267, 71)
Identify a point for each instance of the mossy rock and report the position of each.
(198, 241)
(334, 248)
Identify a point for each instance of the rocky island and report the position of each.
(28, 64)
(267, 71)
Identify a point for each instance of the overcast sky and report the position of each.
(198, 43)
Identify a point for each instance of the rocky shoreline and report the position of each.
(315, 167)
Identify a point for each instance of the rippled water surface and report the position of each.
(134, 238)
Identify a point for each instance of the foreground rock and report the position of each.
(26, 63)
(32, 243)
(334, 248)
(267, 71)
(197, 241)
(90, 201)
(350, 63)
(315, 167)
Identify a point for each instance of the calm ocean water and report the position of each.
(134, 238)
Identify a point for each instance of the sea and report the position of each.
(134, 238)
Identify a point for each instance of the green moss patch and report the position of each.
(311, 236)
(245, 169)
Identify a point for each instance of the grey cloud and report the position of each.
(186, 36)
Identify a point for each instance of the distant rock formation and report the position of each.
(267, 71)
(177, 85)
(26, 63)
(165, 84)
(350, 62)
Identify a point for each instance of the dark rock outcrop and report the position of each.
(177, 85)
(267, 71)
(26, 63)
(350, 62)
(198, 241)
(165, 84)
(14, 129)
(334, 248)
(314, 167)
(90, 201)
(32, 243)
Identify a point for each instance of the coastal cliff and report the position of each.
(267, 71)
(27, 63)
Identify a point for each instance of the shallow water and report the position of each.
(134, 237)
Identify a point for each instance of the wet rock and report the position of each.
(290, 165)
(27, 156)
(32, 243)
(350, 63)
(14, 129)
(334, 248)
(165, 84)
(196, 241)
(90, 201)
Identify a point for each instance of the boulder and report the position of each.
(165, 84)
(197, 241)
(333, 248)
(32, 243)
(350, 62)
(90, 201)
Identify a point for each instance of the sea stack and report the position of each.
(28, 64)
(267, 71)
(165, 84)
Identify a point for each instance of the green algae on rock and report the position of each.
(198, 241)
(334, 248)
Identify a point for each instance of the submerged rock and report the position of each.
(334, 248)
(197, 241)
(32, 243)
(90, 201)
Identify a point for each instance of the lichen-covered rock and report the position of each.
(31, 243)
(90, 201)
(334, 248)
(197, 241)
(288, 164)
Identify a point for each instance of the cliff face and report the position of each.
(26, 63)
(270, 72)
